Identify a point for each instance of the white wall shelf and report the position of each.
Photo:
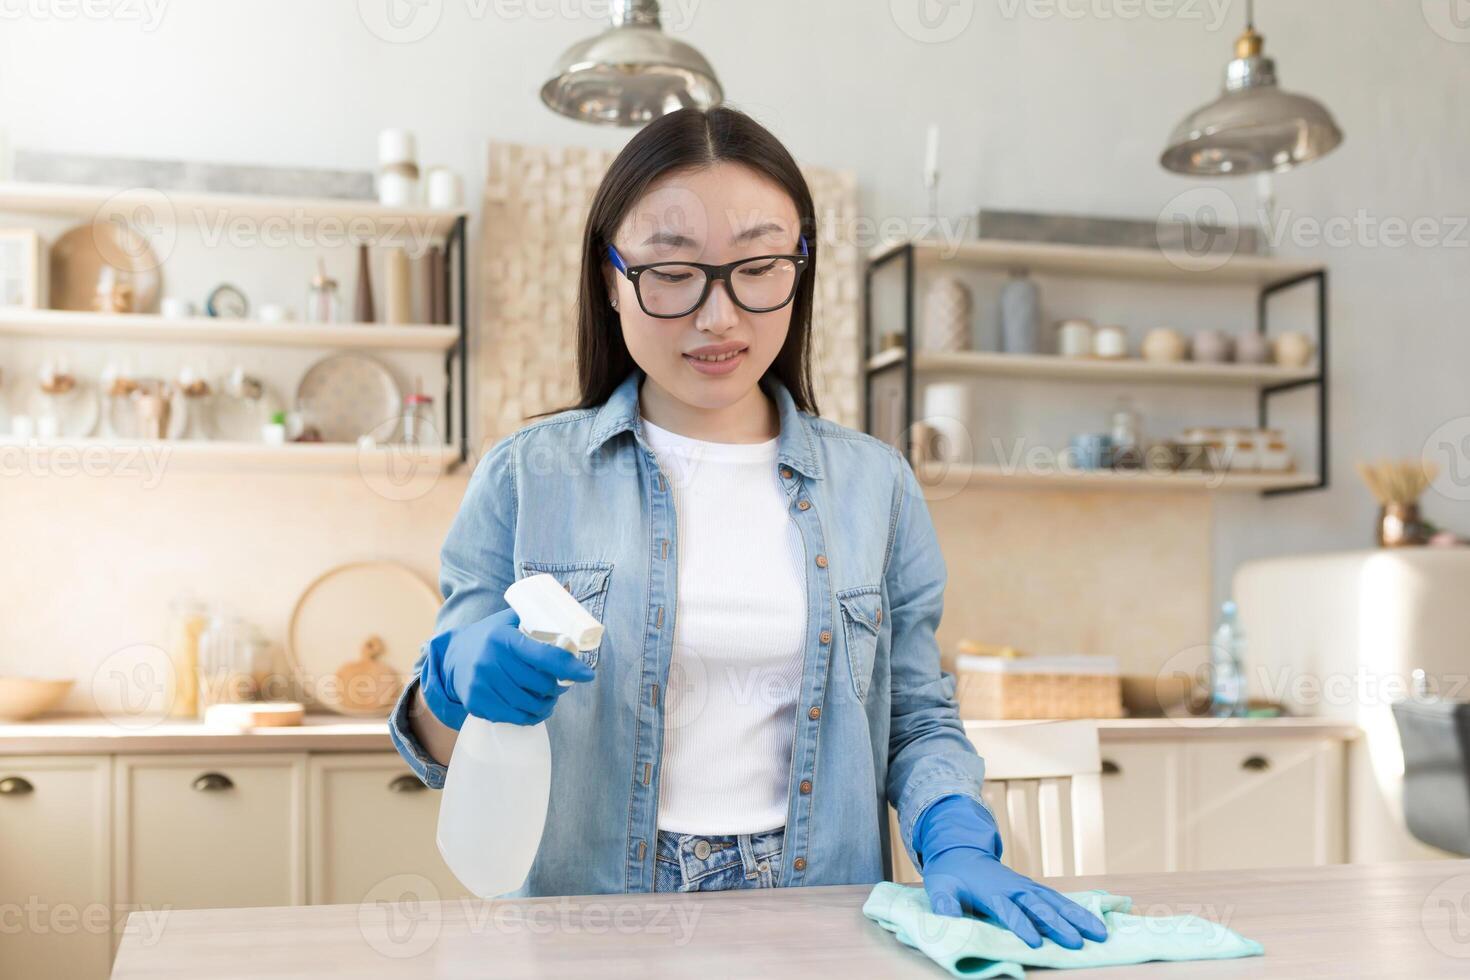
(1104, 262)
(322, 222)
(1098, 370)
(170, 206)
(298, 457)
(67, 325)
(980, 475)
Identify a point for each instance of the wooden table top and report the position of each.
(1387, 920)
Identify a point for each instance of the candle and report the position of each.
(931, 157)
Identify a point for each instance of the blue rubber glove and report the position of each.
(959, 852)
(491, 670)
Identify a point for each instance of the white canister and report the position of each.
(1273, 456)
(396, 146)
(1241, 449)
(1074, 338)
(947, 412)
(398, 186)
(444, 189)
(1110, 342)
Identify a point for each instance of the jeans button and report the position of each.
(701, 849)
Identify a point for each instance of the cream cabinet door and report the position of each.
(1141, 796)
(210, 831)
(1263, 803)
(372, 821)
(55, 862)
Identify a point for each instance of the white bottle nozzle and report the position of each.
(549, 613)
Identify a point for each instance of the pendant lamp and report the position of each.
(631, 74)
(1254, 126)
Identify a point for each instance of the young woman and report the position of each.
(768, 681)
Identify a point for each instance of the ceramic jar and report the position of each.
(1163, 346)
(947, 309)
(1293, 349)
(1210, 347)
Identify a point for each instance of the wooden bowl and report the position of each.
(1148, 696)
(23, 698)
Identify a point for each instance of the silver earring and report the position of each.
(613, 301)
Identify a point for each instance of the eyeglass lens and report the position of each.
(760, 284)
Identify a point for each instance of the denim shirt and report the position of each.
(579, 495)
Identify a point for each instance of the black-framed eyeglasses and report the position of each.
(759, 284)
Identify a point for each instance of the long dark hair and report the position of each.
(684, 139)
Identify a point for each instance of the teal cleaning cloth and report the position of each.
(971, 947)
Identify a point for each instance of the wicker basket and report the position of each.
(1038, 687)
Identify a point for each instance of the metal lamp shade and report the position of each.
(630, 76)
(1251, 131)
(1254, 126)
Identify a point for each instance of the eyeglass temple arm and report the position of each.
(617, 260)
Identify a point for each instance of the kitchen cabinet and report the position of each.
(56, 917)
(1141, 807)
(210, 831)
(1195, 803)
(1256, 804)
(371, 819)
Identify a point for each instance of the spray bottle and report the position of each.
(499, 779)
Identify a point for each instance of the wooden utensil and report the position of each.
(367, 685)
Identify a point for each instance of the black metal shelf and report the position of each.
(1266, 285)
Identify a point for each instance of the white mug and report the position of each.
(175, 307)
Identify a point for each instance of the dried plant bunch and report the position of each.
(1398, 481)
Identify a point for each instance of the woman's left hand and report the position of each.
(960, 853)
(969, 879)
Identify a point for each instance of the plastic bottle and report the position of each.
(1227, 667)
(499, 779)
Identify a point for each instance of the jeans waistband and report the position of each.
(702, 854)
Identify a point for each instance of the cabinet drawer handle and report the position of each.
(212, 782)
(405, 784)
(1111, 768)
(1256, 763)
(15, 786)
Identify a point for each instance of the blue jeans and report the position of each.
(708, 863)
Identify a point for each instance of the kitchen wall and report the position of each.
(92, 563)
(1044, 105)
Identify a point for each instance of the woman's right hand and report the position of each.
(498, 673)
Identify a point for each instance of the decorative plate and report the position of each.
(350, 395)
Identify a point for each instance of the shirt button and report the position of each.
(785, 473)
(814, 713)
(701, 849)
(826, 636)
(803, 505)
(806, 785)
(821, 561)
(799, 864)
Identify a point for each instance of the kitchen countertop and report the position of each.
(84, 735)
(1387, 920)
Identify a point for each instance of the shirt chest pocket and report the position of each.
(587, 581)
(862, 617)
